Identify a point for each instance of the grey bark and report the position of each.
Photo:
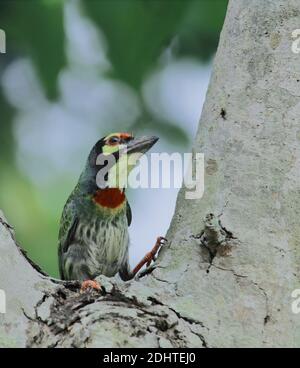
(226, 277)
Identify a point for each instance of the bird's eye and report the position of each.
(113, 140)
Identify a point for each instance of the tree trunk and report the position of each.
(226, 277)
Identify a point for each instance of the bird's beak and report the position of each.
(141, 145)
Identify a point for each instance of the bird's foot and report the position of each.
(90, 285)
(151, 256)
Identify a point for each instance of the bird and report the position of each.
(93, 232)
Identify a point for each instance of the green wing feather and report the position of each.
(68, 225)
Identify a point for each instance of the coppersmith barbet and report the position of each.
(93, 236)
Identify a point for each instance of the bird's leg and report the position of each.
(149, 257)
(90, 285)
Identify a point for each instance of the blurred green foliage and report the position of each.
(36, 28)
(138, 32)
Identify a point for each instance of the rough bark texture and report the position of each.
(226, 277)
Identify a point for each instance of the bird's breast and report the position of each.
(106, 243)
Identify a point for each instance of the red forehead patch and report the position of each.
(125, 135)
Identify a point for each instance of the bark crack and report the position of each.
(69, 309)
(267, 317)
(189, 320)
(229, 270)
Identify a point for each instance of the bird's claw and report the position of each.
(145, 272)
(90, 285)
(151, 256)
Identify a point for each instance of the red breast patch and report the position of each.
(109, 197)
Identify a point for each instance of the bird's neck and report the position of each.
(109, 197)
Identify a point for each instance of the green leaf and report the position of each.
(35, 28)
(200, 31)
(137, 32)
(6, 136)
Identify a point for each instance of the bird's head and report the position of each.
(113, 157)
